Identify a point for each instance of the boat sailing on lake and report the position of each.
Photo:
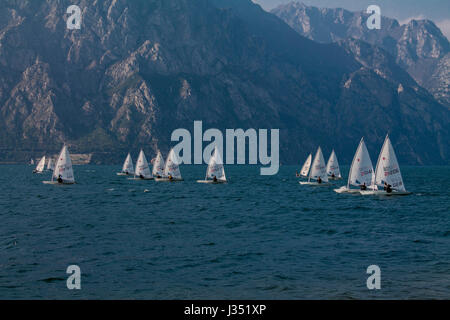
(41, 166)
(142, 168)
(215, 174)
(387, 174)
(158, 166)
(318, 171)
(172, 170)
(306, 166)
(361, 171)
(334, 173)
(127, 168)
(63, 173)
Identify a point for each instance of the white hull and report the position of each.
(57, 183)
(315, 183)
(335, 178)
(384, 193)
(123, 174)
(167, 180)
(140, 179)
(346, 190)
(211, 181)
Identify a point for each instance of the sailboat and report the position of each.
(215, 173)
(32, 162)
(127, 168)
(361, 170)
(318, 169)
(63, 173)
(387, 172)
(334, 173)
(172, 169)
(142, 168)
(158, 166)
(306, 166)
(41, 166)
(50, 165)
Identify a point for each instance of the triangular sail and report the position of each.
(388, 169)
(50, 164)
(128, 165)
(142, 168)
(215, 167)
(172, 166)
(306, 166)
(41, 165)
(319, 168)
(361, 171)
(63, 167)
(158, 166)
(333, 166)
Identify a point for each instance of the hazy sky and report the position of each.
(403, 10)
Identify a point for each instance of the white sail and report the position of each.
(63, 167)
(128, 165)
(215, 167)
(31, 162)
(319, 168)
(158, 166)
(388, 169)
(50, 165)
(333, 166)
(142, 168)
(306, 166)
(361, 171)
(41, 165)
(172, 166)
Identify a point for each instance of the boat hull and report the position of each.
(335, 178)
(347, 190)
(167, 180)
(211, 182)
(384, 193)
(324, 184)
(123, 174)
(57, 183)
(140, 179)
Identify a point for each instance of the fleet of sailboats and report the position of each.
(385, 180)
(318, 173)
(215, 173)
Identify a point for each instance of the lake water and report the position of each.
(258, 237)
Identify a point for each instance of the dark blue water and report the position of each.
(254, 238)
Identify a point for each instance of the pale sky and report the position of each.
(403, 10)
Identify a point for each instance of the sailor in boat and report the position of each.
(141, 177)
(363, 187)
(126, 172)
(170, 177)
(333, 176)
(215, 179)
(319, 180)
(60, 180)
(297, 174)
(387, 187)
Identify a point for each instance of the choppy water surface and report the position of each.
(254, 238)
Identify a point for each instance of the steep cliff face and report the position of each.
(418, 46)
(139, 69)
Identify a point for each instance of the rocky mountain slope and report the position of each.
(418, 46)
(138, 69)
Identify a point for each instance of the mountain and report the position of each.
(139, 69)
(418, 46)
